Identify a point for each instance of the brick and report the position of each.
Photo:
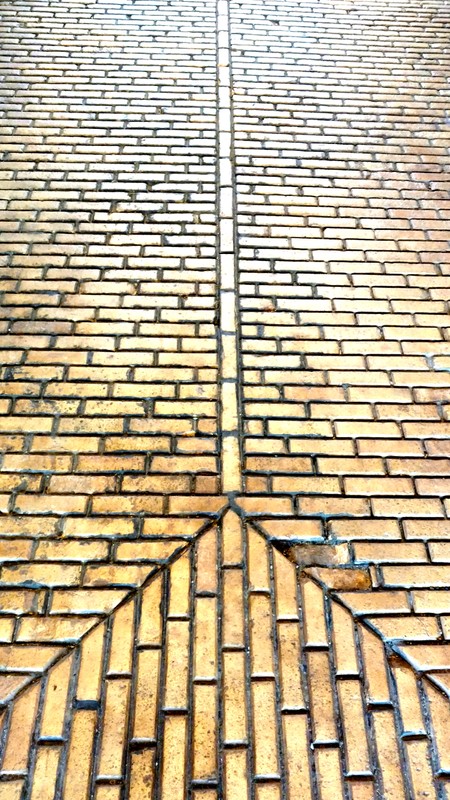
(429, 600)
(380, 552)
(137, 443)
(45, 504)
(408, 507)
(373, 429)
(345, 466)
(381, 602)
(54, 629)
(65, 444)
(109, 463)
(334, 506)
(183, 464)
(418, 466)
(41, 463)
(108, 575)
(439, 551)
(156, 483)
(278, 464)
(341, 411)
(432, 486)
(378, 486)
(291, 427)
(322, 446)
(426, 529)
(98, 526)
(292, 528)
(15, 550)
(437, 448)
(9, 481)
(366, 529)
(421, 576)
(71, 551)
(306, 485)
(42, 574)
(83, 484)
(389, 447)
(127, 504)
(426, 430)
(264, 505)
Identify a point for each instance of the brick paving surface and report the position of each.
(224, 386)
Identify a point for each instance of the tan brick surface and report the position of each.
(224, 431)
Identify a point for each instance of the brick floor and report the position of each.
(224, 386)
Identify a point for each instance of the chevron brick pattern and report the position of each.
(230, 668)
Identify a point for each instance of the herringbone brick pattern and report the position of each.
(224, 335)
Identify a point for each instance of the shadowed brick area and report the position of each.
(224, 385)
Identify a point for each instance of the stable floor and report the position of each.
(225, 400)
